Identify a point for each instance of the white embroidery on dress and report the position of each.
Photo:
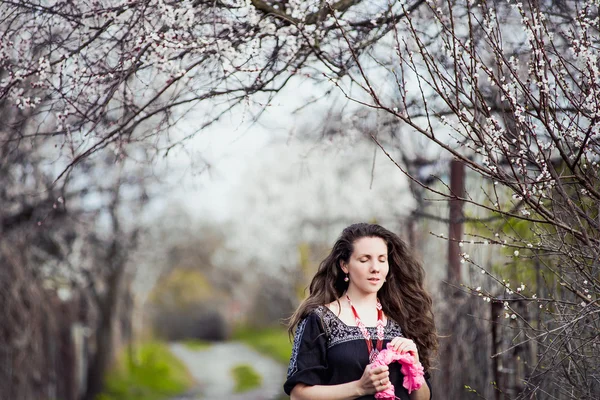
(338, 332)
(293, 367)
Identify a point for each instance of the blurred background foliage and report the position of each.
(146, 371)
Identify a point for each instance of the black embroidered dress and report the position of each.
(326, 351)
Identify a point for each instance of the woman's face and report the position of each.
(368, 264)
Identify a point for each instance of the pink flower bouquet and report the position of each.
(411, 369)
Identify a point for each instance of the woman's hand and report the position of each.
(404, 345)
(374, 379)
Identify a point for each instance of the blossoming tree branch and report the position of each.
(90, 75)
(511, 90)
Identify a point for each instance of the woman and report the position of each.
(370, 279)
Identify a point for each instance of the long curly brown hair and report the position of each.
(402, 297)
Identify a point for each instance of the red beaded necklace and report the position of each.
(372, 352)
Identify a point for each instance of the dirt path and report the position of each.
(212, 370)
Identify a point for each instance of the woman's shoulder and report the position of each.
(320, 315)
(316, 313)
(334, 307)
(322, 309)
(330, 312)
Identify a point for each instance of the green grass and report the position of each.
(149, 372)
(273, 342)
(194, 344)
(245, 378)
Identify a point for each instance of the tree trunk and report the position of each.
(104, 334)
(457, 189)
